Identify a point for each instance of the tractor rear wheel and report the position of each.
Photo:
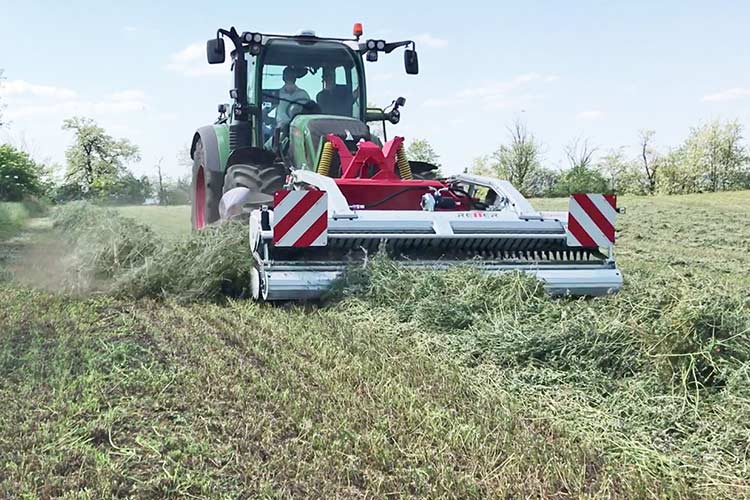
(262, 181)
(206, 190)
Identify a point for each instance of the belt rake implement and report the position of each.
(319, 225)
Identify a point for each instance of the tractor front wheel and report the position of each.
(262, 181)
(206, 190)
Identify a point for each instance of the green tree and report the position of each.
(2, 106)
(519, 161)
(715, 152)
(20, 176)
(580, 153)
(622, 175)
(177, 192)
(649, 159)
(581, 179)
(675, 175)
(126, 189)
(580, 176)
(422, 150)
(712, 158)
(96, 159)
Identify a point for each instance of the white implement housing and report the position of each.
(509, 235)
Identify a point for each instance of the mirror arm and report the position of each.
(390, 47)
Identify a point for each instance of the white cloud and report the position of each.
(379, 77)
(191, 61)
(128, 95)
(431, 41)
(590, 115)
(728, 94)
(438, 103)
(499, 94)
(83, 108)
(21, 88)
(65, 102)
(497, 89)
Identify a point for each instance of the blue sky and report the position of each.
(596, 69)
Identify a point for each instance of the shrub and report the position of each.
(20, 176)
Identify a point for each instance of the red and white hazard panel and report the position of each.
(591, 220)
(300, 218)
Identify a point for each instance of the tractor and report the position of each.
(295, 157)
(267, 132)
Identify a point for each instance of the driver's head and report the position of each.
(289, 76)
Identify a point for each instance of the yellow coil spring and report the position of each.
(404, 169)
(326, 156)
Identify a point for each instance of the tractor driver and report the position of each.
(289, 95)
(334, 99)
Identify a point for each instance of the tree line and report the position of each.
(714, 157)
(96, 169)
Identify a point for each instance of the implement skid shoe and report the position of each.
(512, 236)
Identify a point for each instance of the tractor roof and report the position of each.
(306, 50)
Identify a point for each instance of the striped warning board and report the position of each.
(300, 218)
(591, 220)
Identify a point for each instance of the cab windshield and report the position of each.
(311, 77)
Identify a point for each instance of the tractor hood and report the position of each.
(307, 134)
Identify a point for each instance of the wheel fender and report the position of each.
(210, 142)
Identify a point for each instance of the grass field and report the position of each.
(169, 221)
(12, 217)
(410, 385)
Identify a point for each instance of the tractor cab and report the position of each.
(306, 89)
(280, 78)
(317, 77)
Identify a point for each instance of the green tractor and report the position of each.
(290, 93)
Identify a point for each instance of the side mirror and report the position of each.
(400, 102)
(411, 62)
(215, 51)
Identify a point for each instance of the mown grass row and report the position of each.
(418, 383)
(135, 261)
(657, 377)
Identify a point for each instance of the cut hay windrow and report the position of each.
(208, 265)
(657, 376)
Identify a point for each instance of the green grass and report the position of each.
(167, 221)
(12, 217)
(158, 400)
(682, 236)
(405, 384)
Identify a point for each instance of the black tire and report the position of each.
(206, 190)
(261, 180)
